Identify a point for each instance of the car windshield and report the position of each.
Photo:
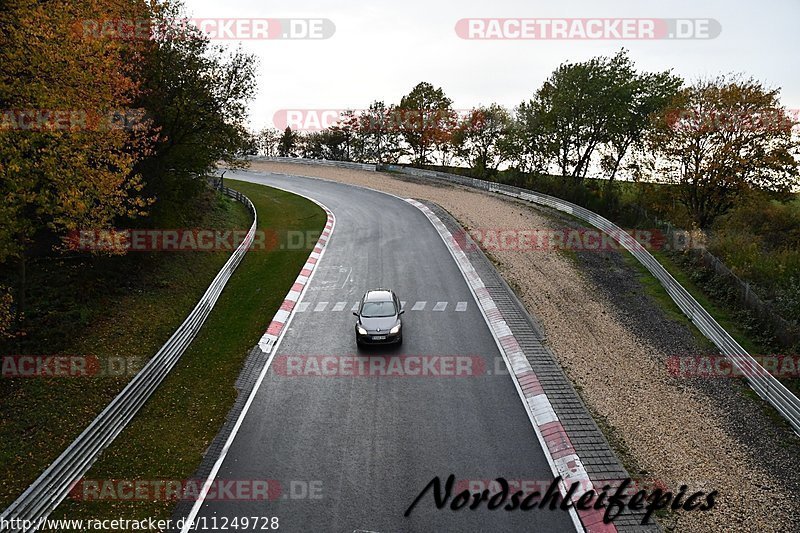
(378, 309)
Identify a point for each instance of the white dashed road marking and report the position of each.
(338, 307)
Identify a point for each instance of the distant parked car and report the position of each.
(379, 318)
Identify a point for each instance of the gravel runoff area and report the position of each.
(613, 341)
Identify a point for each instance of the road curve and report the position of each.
(352, 453)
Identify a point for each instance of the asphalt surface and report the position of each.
(352, 453)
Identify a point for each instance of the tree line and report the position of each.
(103, 125)
(716, 139)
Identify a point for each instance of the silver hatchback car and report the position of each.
(379, 318)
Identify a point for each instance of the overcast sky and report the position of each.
(382, 48)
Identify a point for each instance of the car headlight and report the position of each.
(395, 329)
(361, 331)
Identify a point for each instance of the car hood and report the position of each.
(383, 323)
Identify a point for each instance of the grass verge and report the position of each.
(728, 318)
(166, 441)
(737, 322)
(119, 309)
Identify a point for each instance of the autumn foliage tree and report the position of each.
(426, 120)
(69, 136)
(109, 112)
(67, 144)
(721, 139)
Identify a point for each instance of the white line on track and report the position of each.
(556, 466)
(188, 525)
(539, 409)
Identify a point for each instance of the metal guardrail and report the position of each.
(324, 162)
(761, 381)
(765, 384)
(54, 484)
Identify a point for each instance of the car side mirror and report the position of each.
(355, 313)
(402, 311)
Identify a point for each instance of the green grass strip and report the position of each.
(166, 441)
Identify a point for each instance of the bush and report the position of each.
(760, 241)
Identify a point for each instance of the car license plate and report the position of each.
(379, 337)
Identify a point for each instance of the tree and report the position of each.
(381, 136)
(311, 145)
(642, 97)
(478, 138)
(101, 125)
(342, 135)
(329, 144)
(426, 117)
(287, 143)
(528, 146)
(443, 142)
(268, 142)
(602, 102)
(57, 175)
(70, 130)
(723, 138)
(197, 94)
(249, 146)
(6, 313)
(571, 105)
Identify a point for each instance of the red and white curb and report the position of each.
(268, 344)
(558, 449)
(270, 338)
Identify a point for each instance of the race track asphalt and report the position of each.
(348, 453)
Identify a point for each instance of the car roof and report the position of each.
(378, 295)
